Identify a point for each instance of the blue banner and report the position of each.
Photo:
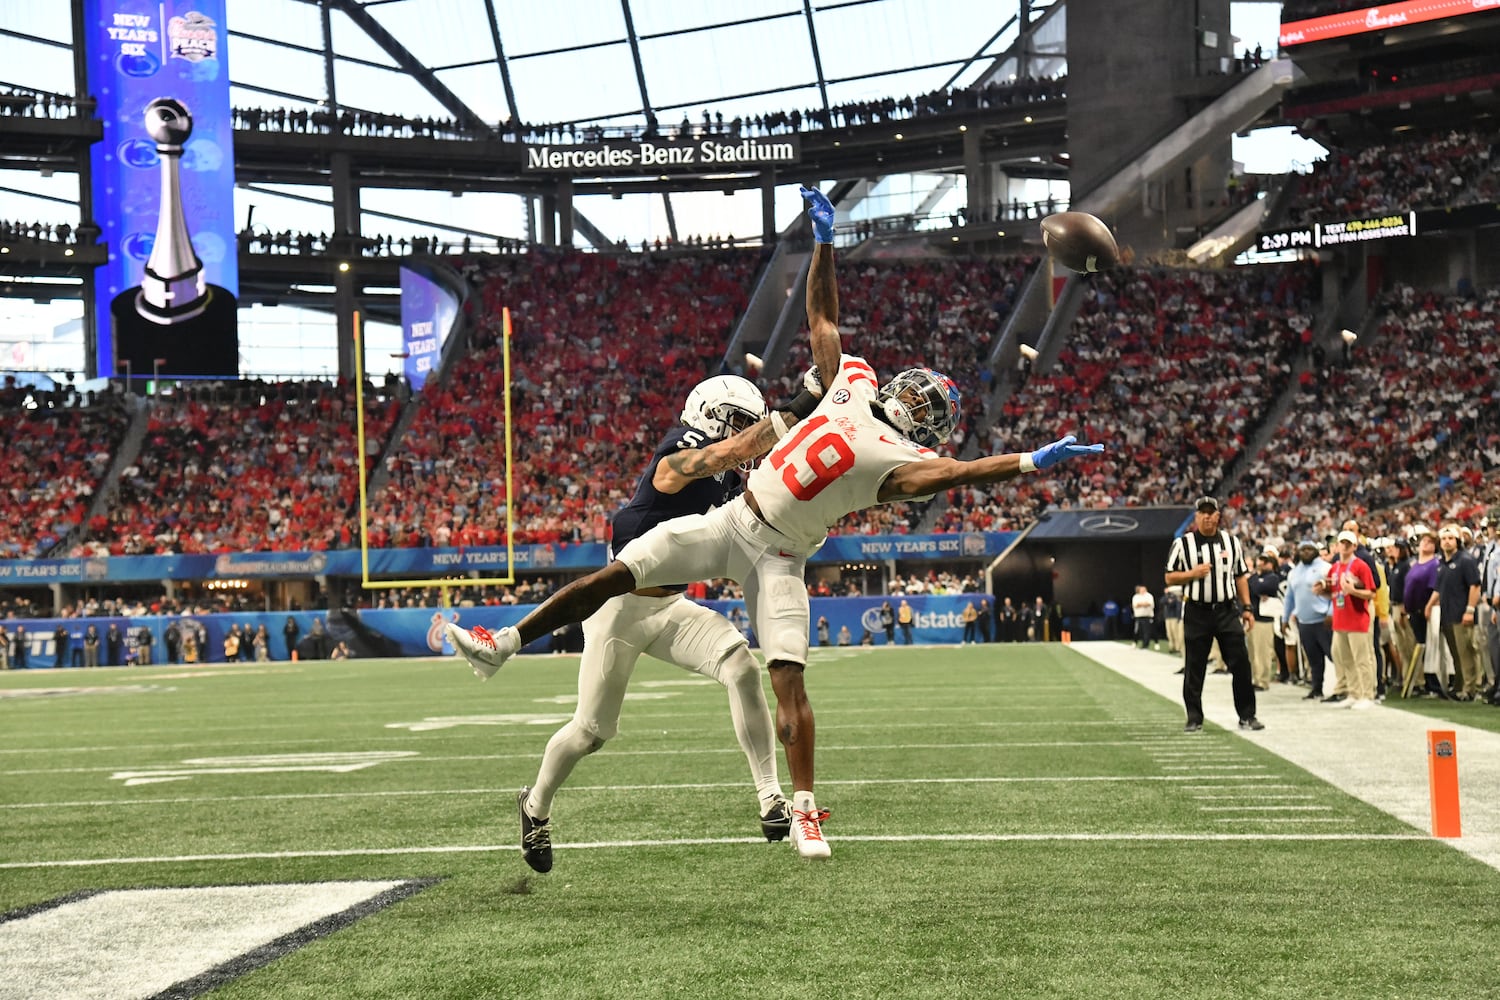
(427, 314)
(164, 173)
(425, 563)
(419, 631)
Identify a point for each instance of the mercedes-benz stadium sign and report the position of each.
(707, 155)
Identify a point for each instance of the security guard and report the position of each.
(1210, 566)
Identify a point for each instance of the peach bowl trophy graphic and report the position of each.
(174, 314)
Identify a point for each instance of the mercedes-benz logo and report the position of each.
(1108, 524)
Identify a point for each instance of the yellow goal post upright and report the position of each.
(364, 505)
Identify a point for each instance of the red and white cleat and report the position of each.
(486, 651)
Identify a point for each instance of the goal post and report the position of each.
(364, 503)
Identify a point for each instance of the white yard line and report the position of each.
(1379, 756)
(401, 792)
(698, 841)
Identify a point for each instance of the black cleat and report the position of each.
(1252, 723)
(1334, 699)
(536, 836)
(1313, 695)
(776, 822)
(1193, 727)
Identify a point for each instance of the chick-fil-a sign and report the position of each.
(1393, 15)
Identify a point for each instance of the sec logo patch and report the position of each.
(842, 396)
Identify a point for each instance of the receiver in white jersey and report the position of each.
(834, 462)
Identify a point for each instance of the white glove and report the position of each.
(812, 383)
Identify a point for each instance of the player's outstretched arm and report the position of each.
(920, 479)
(674, 472)
(822, 288)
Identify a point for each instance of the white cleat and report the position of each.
(486, 651)
(807, 833)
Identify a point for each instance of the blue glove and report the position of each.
(1058, 451)
(820, 211)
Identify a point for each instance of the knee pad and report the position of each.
(580, 738)
(736, 667)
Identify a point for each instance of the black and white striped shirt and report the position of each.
(1223, 551)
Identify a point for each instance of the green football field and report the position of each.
(1011, 821)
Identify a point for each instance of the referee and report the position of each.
(1210, 566)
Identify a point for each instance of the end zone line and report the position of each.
(711, 841)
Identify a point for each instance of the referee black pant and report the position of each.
(1201, 625)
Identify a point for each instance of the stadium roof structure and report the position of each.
(485, 62)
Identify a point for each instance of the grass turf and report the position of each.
(1032, 747)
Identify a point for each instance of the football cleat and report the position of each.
(776, 822)
(486, 651)
(536, 836)
(807, 833)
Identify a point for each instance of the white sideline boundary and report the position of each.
(1379, 756)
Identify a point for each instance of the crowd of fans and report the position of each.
(1446, 168)
(56, 457)
(27, 103)
(605, 349)
(941, 314)
(348, 121)
(1416, 411)
(1173, 369)
(244, 468)
(526, 590)
(12, 231)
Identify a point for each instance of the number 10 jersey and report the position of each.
(834, 462)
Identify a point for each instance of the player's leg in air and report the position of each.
(487, 651)
(777, 599)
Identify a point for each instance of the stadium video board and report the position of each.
(428, 311)
(163, 186)
(1381, 18)
(1329, 234)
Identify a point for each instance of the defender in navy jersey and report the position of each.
(682, 478)
(651, 506)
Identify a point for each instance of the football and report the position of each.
(1079, 241)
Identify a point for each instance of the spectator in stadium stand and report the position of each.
(1351, 588)
(1455, 598)
(1209, 564)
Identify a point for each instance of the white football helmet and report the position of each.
(723, 405)
(922, 404)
